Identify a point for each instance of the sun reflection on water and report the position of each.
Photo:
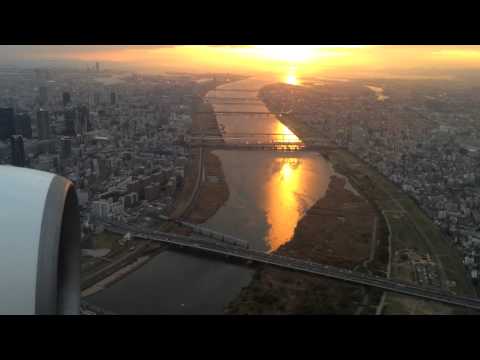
(283, 210)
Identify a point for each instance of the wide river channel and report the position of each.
(269, 194)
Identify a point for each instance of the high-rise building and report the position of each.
(66, 98)
(66, 146)
(96, 99)
(56, 164)
(101, 208)
(42, 95)
(23, 125)
(38, 74)
(17, 153)
(43, 124)
(7, 123)
(70, 122)
(97, 66)
(83, 115)
(113, 98)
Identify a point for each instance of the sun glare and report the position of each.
(295, 53)
(291, 77)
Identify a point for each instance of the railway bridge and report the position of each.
(305, 266)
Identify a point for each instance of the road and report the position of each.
(179, 213)
(395, 286)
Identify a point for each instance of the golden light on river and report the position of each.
(283, 211)
(284, 133)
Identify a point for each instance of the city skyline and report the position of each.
(334, 60)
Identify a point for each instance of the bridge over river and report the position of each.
(305, 266)
(259, 141)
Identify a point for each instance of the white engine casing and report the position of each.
(39, 243)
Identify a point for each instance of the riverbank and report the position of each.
(213, 192)
(336, 231)
(117, 266)
(205, 189)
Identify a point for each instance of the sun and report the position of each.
(291, 77)
(293, 53)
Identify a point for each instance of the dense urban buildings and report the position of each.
(123, 156)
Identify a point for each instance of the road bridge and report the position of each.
(240, 100)
(253, 103)
(236, 113)
(241, 134)
(254, 113)
(237, 90)
(271, 146)
(304, 266)
(253, 141)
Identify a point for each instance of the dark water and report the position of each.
(175, 283)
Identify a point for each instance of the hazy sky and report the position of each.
(306, 59)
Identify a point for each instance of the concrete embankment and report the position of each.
(91, 279)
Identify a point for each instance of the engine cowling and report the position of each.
(39, 243)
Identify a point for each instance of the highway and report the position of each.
(395, 286)
(180, 213)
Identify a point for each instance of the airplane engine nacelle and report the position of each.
(39, 243)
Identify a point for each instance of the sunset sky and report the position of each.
(304, 59)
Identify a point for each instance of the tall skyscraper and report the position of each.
(17, 150)
(42, 95)
(97, 66)
(96, 99)
(83, 118)
(38, 74)
(66, 98)
(43, 124)
(66, 146)
(7, 123)
(113, 98)
(71, 122)
(23, 125)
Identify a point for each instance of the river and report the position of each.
(378, 91)
(269, 194)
